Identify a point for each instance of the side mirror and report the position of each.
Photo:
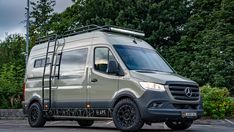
(112, 67)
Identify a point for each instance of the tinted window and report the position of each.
(73, 62)
(101, 58)
(40, 62)
(136, 58)
(37, 63)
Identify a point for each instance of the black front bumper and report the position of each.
(158, 107)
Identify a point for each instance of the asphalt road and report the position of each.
(108, 126)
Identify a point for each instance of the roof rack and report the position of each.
(89, 28)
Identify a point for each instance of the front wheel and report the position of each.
(179, 125)
(36, 117)
(126, 116)
(85, 123)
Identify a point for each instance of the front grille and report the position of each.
(178, 92)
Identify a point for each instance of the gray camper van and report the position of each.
(106, 73)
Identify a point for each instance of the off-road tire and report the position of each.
(179, 125)
(126, 116)
(85, 123)
(35, 116)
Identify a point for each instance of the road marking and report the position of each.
(54, 122)
(109, 122)
(165, 126)
(229, 121)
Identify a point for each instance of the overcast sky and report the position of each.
(12, 13)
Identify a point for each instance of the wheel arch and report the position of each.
(34, 99)
(123, 95)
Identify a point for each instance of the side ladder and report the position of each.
(52, 48)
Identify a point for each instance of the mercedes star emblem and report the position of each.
(188, 92)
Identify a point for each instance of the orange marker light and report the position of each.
(88, 106)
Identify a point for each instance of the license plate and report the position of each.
(189, 114)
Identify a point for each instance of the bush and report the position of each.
(10, 86)
(232, 106)
(216, 102)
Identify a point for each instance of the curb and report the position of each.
(223, 122)
(12, 114)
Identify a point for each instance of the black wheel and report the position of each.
(85, 123)
(126, 116)
(35, 117)
(179, 125)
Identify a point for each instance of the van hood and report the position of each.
(161, 77)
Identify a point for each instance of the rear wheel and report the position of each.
(85, 123)
(126, 116)
(36, 118)
(179, 125)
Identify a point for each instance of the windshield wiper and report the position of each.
(151, 71)
(148, 70)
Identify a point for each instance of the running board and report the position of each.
(78, 118)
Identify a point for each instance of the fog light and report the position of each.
(156, 105)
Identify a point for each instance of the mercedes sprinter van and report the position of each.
(106, 73)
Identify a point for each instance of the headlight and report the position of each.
(153, 86)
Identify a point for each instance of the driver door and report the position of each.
(103, 85)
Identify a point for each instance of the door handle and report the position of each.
(94, 80)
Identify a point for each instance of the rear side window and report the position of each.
(40, 62)
(37, 63)
(73, 62)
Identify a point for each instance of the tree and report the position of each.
(12, 50)
(161, 20)
(205, 52)
(195, 36)
(42, 11)
(12, 65)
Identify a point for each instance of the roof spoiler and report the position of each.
(90, 28)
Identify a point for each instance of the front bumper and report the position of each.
(159, 107)
(158, 115)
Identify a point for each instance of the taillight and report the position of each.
(24, 86)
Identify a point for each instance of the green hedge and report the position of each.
(11, 86)
(216, 102)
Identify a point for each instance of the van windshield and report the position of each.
(137, 58)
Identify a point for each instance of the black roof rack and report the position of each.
(90, 28)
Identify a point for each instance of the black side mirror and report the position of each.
(112, 67)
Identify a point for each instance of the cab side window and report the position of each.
(102, 56)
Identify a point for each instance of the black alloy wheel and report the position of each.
(126, 116)
(36, 118)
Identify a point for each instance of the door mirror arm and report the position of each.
(120, 71)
